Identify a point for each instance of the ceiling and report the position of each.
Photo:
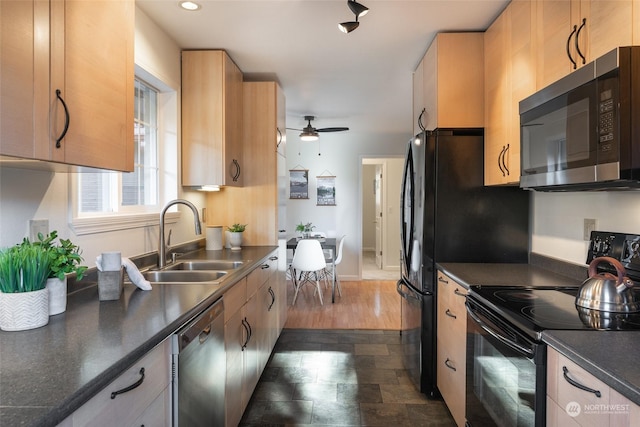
(361, 80)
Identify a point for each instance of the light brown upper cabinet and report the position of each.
(573, 33)
(67, 83)
(261, 202)
(452, 81)
(211, 119)
(510, 76)
(418, 97)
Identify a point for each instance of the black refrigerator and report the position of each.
(448, 215)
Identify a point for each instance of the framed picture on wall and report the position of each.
(326, 189)
(299, 184)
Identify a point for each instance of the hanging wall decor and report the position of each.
(299, 184)
(326, 189)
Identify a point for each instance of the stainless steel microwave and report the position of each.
(583, 131)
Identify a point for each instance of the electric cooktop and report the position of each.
(535, 309)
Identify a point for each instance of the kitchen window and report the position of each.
(111, 201)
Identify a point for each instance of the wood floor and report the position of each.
(369, 304)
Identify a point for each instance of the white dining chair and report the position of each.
(308, 266)
(331, 268)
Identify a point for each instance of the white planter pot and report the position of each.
(25, 310)
(235, 238)
(57, 295)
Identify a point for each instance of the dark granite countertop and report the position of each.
(49, 372)
(523, 275)
(611, 356)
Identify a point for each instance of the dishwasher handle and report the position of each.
(199, 329)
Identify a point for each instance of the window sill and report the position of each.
(105, 224)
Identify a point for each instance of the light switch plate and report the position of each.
(38, 226)
(589, 226)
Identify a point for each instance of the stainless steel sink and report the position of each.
(205, 265)
(182, 276)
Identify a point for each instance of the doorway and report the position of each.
(381, 180)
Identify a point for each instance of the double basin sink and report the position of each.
(192, 271)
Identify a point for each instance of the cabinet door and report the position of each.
(609, 25)
(211, 119)
(92, 65)
(24, 79)
(235, 336)
(497, 98)
(251, 372)
(553, 25)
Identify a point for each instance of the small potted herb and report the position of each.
(235, 235)
(305, 229)
(65, 258)
(24, 299)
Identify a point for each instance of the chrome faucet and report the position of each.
(162, 245)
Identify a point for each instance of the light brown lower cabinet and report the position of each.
(569, 405)
(451, 345)
(148, 404)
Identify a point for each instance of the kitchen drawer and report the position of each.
(451, 381)
(125, 408)
(234, 298)
(158, 414)
(262, 273)
(563, 393)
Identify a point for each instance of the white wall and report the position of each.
(558, 220)
(27, 194)
(341, 154)
(368, 207)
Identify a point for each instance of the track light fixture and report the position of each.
(358, 10)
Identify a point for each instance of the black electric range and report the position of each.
(533, 310)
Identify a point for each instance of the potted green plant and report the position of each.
(305, 229)
(24, 299)
(235, 235)
(65, 258)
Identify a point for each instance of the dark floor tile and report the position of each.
(360, 361)
(401, 393)
(383, 414)
(297, 375)
(272, 392)
(359, 393)
(288, 359)
(270, 374)
(336, 413)
(337, 375)
(347, 348)
(296, 412)
(316, 392)
(433, 413)
(389, 362)
(376, 376)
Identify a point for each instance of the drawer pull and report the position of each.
(457, 292)
(264, 266)
(131, 387)
(450, 314)
(565, 372)
(273, 258)
(273, 298)
(443, 280)
(449, 365)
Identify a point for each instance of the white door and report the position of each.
(379, 218)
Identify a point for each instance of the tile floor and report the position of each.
(340, 378)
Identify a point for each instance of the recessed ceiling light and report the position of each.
(189, 5)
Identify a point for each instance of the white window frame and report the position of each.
(168, 158)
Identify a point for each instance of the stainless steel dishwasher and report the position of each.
(199, 370)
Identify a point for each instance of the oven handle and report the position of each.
(506, 341)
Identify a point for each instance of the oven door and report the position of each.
(506, 372)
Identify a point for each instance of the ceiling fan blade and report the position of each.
(294, 129)
(333, 129)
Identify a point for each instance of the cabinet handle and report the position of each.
(273, 258)
(247, 328)
(565, 373)
(584, 59)
(420, 125)
(273, 299)
(279, 138)
(450, 314)
(66, 118)
(449, 365)
(237, 174)
(575, 28)
(443, 280)
(457, 292)
(500, 160)
(131, 387)
(504, 163)
(264, 266)
(204, 335)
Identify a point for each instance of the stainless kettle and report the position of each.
(607, 292)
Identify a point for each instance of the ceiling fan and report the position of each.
(309, 133)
